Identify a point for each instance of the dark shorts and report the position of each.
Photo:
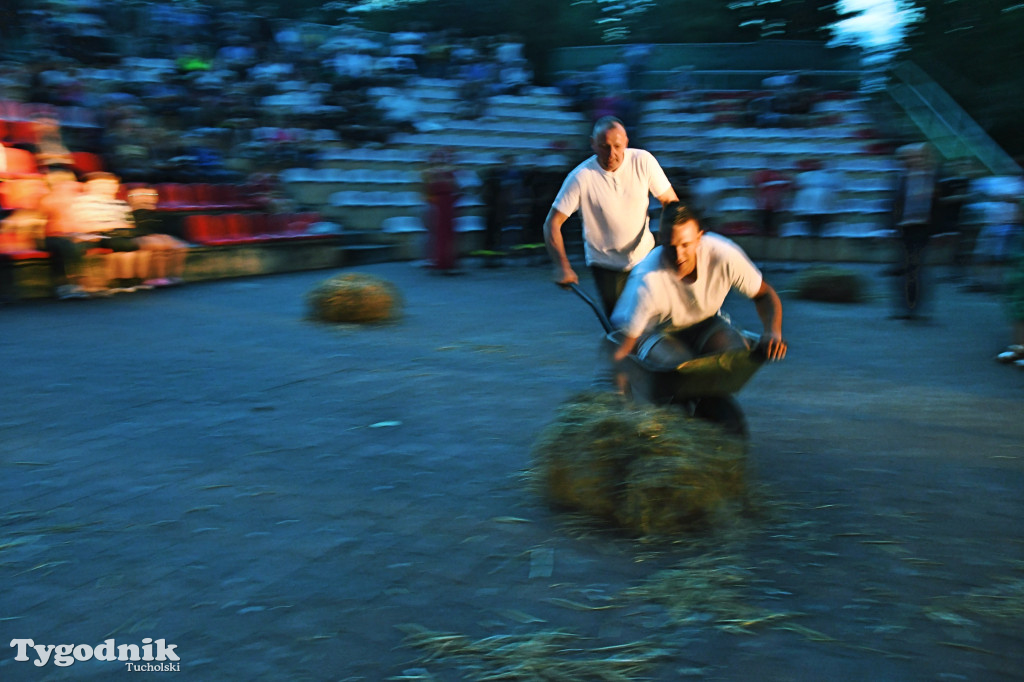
(115, 243)
(713, 335)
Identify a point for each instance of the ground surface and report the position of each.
(280, 498)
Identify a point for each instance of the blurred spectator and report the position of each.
(771, 191)
(441, 189)
(914, 214)
(476, 78)
(129, 154)
(1014, 353)
(787, 101)
(635, 57)
(105, 221)
(166, 254)
(509, 50)
(613, 77)
(681, 85)
(501, 194)
(513, 77)
(1001, 229)
(48, 145)
(61, 240)
(706, 190)
(816, 188)
(23, 223)
(408, 45)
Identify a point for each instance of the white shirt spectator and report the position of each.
(509, 53)
(816, 192)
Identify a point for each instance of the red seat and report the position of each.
(202, 194)
(177, 196)
(231, 228)
(200, 228)
(236, 228)
(259, 227)
(21, 132)
(229, 197)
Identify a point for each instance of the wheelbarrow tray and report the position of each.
(660, 373)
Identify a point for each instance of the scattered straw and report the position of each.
(708, 587)
(1001, 602)
(547, 655)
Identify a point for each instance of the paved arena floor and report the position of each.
(282, 499)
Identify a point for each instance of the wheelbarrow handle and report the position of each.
(598, 310)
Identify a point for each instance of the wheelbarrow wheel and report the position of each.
(724, 411)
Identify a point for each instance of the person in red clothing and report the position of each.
(771, 189)
(442, 191)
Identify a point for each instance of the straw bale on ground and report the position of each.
(650, 469)
(830, 284)
(354, 297)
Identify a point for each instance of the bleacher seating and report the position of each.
(231, 229)
(839, 133)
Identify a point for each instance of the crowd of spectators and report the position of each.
(205, 92)
(209, 92)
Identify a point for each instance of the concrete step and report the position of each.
(367, 253)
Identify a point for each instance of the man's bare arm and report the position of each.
(563, 273)
(769, 309)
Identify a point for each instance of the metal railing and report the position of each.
(943, 122)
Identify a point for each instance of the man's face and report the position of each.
(680, 252)
(610, 147)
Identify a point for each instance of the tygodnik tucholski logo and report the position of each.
(152, 656)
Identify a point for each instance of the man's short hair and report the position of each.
(674, 213)
(604, 123)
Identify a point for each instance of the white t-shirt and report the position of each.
(655, 297)
(613, 206)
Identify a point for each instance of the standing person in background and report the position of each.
(914, 216)
(612, 191)
(1014, 353)
(771, 188)
(442, 191)
(814, 198)
(706, 190)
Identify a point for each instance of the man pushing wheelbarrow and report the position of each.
(669, 341)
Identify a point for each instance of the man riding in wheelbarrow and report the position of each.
(679, 288)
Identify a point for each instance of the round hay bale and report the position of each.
(649, 469)
(830, 284)
(354, 297)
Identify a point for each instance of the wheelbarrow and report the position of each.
(662, 371)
